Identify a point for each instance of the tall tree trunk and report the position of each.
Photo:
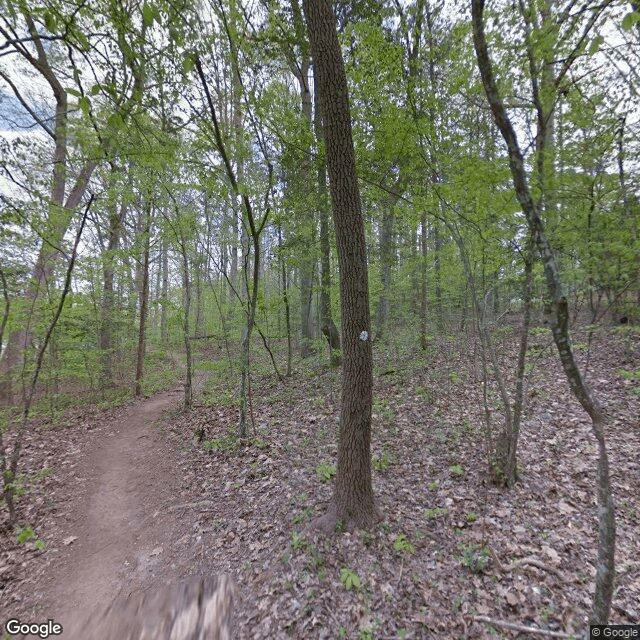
(144, 296)
(437, 251)
(164, 325)
(605, 570)
(186, 283)
(285, 300)
(116, 219)
(423, 281)
(255, 227)
(60, 216)
(329, 329)
(300, 68)
(199, 300)
(353, 493)
(387, 253)
(9, 461)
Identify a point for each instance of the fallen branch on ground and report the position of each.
(523, 628)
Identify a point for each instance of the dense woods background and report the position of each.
(166, 212)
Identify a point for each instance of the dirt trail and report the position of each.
(123, 526)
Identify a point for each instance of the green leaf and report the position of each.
(85, 104)
(25, 534)
(349, 578)
(402, 544)
(115, 121)
(50, 21)
(188, 63)
(630, 19)
(595, 45)
(148, 14)
(95, 90)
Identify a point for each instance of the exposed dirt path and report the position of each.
(123, 527)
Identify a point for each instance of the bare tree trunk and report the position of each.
(329, 329)
(285, 299)
(605, 570)
(164, 326)
(186, 282)
(353, 494)
(116, 219)
(300, 69)
(423, 281)
(507, 445)
(144, 295)
(437, 239)
(387, 253)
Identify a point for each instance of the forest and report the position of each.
(335, 305)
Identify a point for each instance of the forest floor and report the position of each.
(129, 497)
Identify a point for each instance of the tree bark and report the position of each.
(386, 262)
(116, 219)
(353, 501)
(300, 68)
(423, 281)
(605, 570)
(329, 329)
(164, 326)
(144, 295)
(285, 300)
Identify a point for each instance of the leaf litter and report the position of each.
(469, 551)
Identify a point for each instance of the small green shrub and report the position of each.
(629, 375)
(456, 470)
(428, 395)
(436, 512)
(540, 331)
(350, 579)
(382, 463)
(402, 544)
(474, 557)
(303, 516)
(27, 533)
(298, 541)
(226, 443)
(325, 471)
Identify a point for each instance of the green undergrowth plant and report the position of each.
(382, 409)
(27, 533)
(456, 470)
(383, 462)
(629, 375)
(23, 483)
(326, 471)
(350, 579)
(474, 557)
(435, 512)
(427, 394)
(540, 331)
(402, 545)
(224, 443)
(298, 541)
(303, 516)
